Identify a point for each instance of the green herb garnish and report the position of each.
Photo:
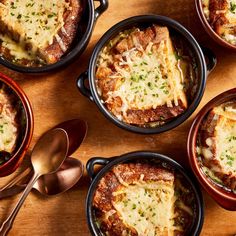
(232, 7)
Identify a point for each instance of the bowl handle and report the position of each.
(82, 87)
(210, 59)
(103, 6)
(96, 161)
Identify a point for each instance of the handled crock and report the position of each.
(204, 69)
(84, 32)
(108, 163)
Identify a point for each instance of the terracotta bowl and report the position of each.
(223, 197)
(209, 29)
(26, 129)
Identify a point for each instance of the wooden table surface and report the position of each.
(55, 98)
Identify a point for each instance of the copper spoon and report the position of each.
(52, 184)
(76, 130)
(47, 156)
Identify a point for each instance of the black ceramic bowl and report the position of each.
(108, 163)
(144, 21)
(81, 40)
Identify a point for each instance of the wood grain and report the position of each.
(55, 98)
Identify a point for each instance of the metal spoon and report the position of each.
(47, 156)
(76, 130)
(52, 184)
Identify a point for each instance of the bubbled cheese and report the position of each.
(37, 22)
(148, 208)
(226, 139)
(148, 78)
(8, 128)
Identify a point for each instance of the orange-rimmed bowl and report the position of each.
(26, 128)
(223, 197)
(209, 29)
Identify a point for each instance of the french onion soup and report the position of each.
(37, 33)
(144, 199)
(12, 123)
(146, 77)
(221, 15)
(216, 147)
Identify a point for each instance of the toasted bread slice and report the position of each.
(139, 78)
(143, 199)
(222, 17)
(132, 189)
(9, 125)
(218, 138)
(44, 28)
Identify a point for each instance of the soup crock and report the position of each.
(26, 132)
(146, 20)
(209, 29)
(224, 198)
(84, 32)
(109, 163)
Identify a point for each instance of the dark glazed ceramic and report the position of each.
(12, 164)
(209, 29)
(108, 163)
(224, 198)
(146, 20)
(84, 32)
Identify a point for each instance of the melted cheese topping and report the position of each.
(148, 208)
(227, 31)
(16, 49)
(226, 140)
(147, 78)
(206, 8)
(219, 155)
(8, 129)
(37, 22)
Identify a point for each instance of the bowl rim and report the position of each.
(141, 19)
(145, 155)
(209, 29)
(216, 192)
(71, 54)
(29, 126)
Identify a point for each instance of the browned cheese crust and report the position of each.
(111, 182)
(110, 220)
(216, 19)
(54, 52)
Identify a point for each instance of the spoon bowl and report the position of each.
(65, 178)
(47, 156)
(59, 182)
(76, 130)
(50, 152)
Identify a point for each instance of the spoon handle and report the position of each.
(7, 224)
(17, 179)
